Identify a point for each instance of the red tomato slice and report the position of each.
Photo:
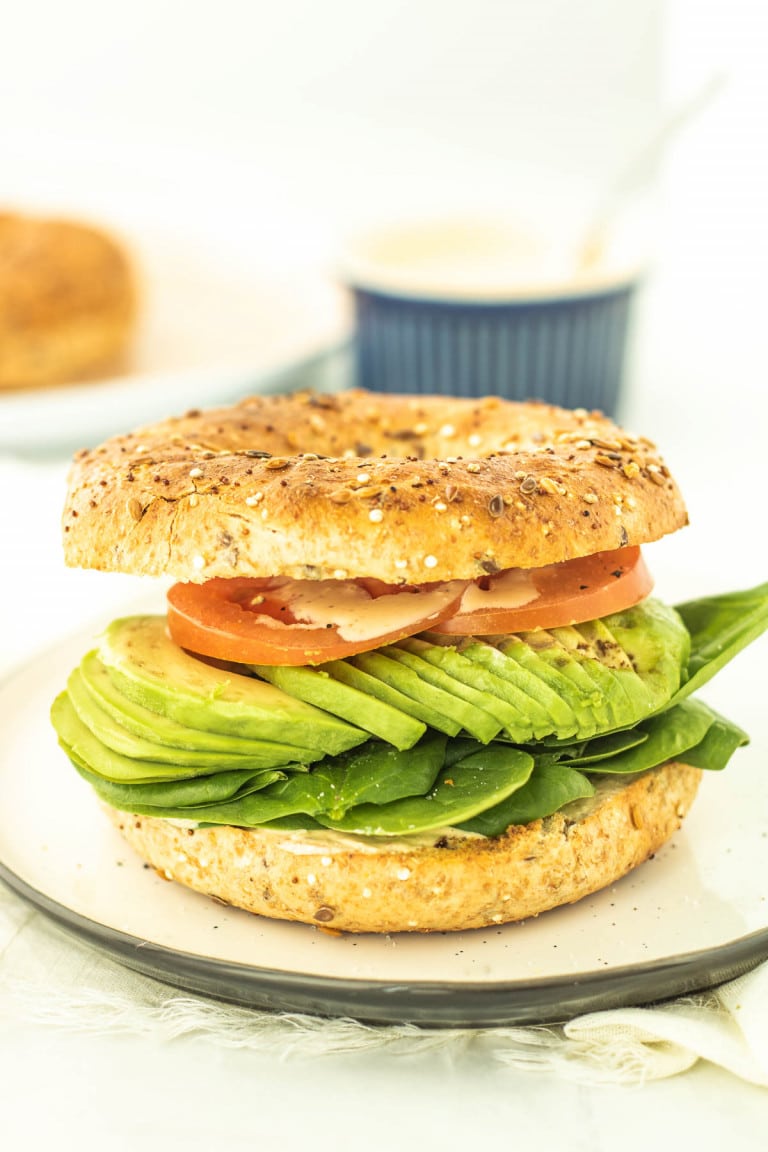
(519, 599)
(281, 621)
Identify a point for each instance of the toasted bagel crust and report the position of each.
(68, 301)
(404, 489)
(454, 884)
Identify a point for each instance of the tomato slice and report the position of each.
(519, 599)
(281, 621)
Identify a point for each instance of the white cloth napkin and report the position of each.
(50, 979)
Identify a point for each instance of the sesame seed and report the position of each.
(376, 515)
(589, 498)
(430, 561)
(473, 467)
(193, 500)
(362, 478)
(440, 507)
(403, 873)
(254, 499)
(195, 473)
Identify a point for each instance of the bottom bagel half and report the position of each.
(445, 882)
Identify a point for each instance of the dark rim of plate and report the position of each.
(429, 1004)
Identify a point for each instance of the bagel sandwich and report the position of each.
(412, 675)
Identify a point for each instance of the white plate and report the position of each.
(212, 329)
(693, 916)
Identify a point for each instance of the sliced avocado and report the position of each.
(613, 658)
(315, 686)
(549, 711)
(536, 663)
(366, 681)
(614, 710)
(159, 729)
(147, 667)
(548, 647)
(451, 715)
(80, 743)
(492, 689)
(475, 718)
(119, 739)
(657, 644)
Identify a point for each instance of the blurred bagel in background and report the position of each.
(69, 301)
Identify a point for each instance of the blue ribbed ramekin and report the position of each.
(567, 350)
(477, 306)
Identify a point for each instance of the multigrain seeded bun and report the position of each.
(404, 489)
(447, 884)
(68, 302)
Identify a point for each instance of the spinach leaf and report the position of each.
(197, 792)
(720, 626)
(719, 744)
(462, 791)
(549, 788)
(667, 737)
(377, 773)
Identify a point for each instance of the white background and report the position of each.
(256, 135)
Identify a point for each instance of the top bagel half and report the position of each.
(405, 489)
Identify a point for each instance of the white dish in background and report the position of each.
(693, 916)
(211, 331)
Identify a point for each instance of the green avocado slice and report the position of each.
(552, 647)
(81, 744)
(549, 712)
(119, 739)
(360, 674)
(451, 713)
(317, 687)
(467, 703)
(544, 668)
(147, 667)
(158, 729)
(490, 687)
